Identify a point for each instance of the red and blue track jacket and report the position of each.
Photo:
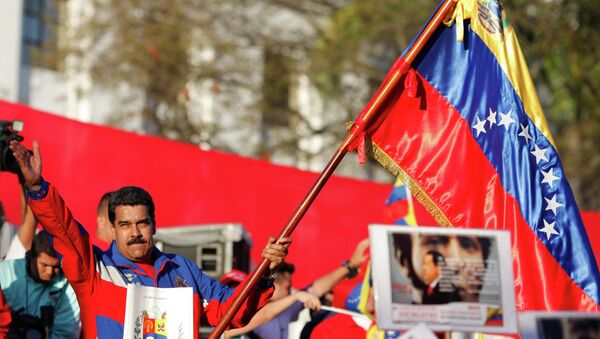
(100, 278)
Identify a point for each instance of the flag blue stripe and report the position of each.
(398, 193)
(470, 78)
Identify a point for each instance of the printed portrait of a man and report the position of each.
(442, 268)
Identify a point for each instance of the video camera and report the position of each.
(9, 130)
(28, 326)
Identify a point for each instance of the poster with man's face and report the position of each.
(448, 278)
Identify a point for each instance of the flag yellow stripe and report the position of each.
(502, 45)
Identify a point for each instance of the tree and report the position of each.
(559, 39)
(245, 56)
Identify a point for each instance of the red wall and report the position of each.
(192, 186)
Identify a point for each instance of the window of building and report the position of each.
(40, 23)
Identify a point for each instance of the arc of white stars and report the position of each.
(539, 154)
(549, 177)
(506, 120)
(525, 133)
(479, 126)
(553, 204)
(549, 229)
(491, 118)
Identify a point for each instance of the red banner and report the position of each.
(192, 186)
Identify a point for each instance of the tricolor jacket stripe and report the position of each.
(100, 278)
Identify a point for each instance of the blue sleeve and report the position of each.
(66, 318)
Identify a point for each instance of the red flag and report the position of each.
(469, 137)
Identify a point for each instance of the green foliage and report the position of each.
(366, 37)
(560, 41)
(559, 38)
(144, 45)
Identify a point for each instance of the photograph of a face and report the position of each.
(448, 278)
(441, 268)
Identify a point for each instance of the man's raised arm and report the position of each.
(50, 210)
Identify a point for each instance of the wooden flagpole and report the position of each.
(356, 131)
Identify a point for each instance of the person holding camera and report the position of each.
(41, 301)
(15, 246)
(13, 243)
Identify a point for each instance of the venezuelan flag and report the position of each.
(465, 130)
(399, 208)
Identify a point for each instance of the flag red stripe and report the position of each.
(434, 145)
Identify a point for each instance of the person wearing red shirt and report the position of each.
(100, 278)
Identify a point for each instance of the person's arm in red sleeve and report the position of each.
(70, 239)
(216, 300)
(258, 297)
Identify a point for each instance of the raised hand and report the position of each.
(308, 300)
(30, 164)
(360, 254)
(276, 252)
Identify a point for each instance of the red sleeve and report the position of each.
(70, 239)
(338, 326)
(257, 299)
(5, 317)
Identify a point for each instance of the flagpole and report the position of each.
(356, 131)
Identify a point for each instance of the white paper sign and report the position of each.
(451, 279)
(159, 313)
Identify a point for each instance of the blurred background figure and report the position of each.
(273, 321)
(103, 224)
(40, 299)
(233, 278)
(15, 242)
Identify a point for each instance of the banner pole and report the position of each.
(356, 131)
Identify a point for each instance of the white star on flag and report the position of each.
(540, 154)
(525, 133)
(549, 177)
(552, 204)
(506, 120)
(491, 118)
(479, 126)
(549, 229)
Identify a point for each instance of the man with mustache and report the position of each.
(100, 278)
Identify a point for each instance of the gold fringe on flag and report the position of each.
(389, 164)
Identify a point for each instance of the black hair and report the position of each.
(40, 244)
(130, 196)
(403, 248)
(485, 248)
(285, 267)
